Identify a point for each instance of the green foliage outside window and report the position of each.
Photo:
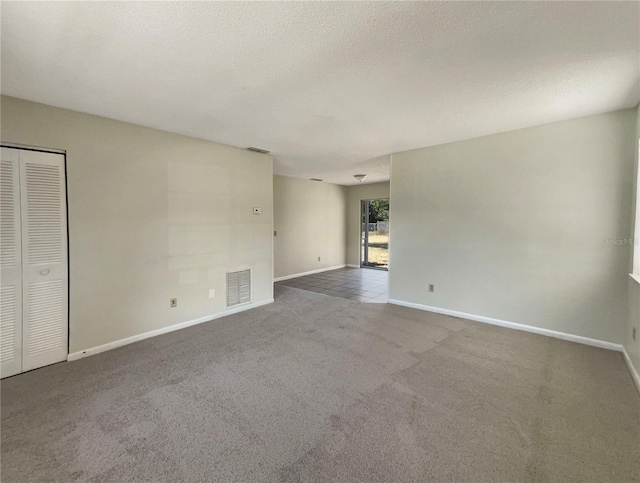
(378, 210)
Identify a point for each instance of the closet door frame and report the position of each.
(66, 233)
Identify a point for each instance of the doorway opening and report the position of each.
(374, 246)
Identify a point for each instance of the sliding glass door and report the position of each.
(374, 248)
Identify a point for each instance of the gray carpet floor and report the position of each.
(318, 388)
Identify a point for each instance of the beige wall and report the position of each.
(355, 194)
(309, 217)
(512, 226)
(633, 346)
(152, 215)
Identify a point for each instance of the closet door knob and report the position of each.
(44, 272)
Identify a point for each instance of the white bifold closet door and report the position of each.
(36, 287)
(10, 265)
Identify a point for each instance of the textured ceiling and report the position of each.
(326, 86)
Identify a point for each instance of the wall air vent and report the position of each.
(258, 150)
(238, 287)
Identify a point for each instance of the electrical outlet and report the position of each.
(212, 293)
(633, 333)
(173, 303)
(432, 287)
(318, 258)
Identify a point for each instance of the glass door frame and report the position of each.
(364, 235)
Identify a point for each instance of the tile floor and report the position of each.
(360, 284)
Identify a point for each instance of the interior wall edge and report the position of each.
(632, 370)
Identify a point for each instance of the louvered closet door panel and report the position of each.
(10, 265)
(44, 252)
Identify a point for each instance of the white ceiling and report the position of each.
(326, 86)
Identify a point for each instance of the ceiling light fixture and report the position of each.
(360, 177)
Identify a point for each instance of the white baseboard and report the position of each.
(311, 272)
(512, 325)
(182, 325)
(350, 265)
(634, 372)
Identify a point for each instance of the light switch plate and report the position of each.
(212, 293)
